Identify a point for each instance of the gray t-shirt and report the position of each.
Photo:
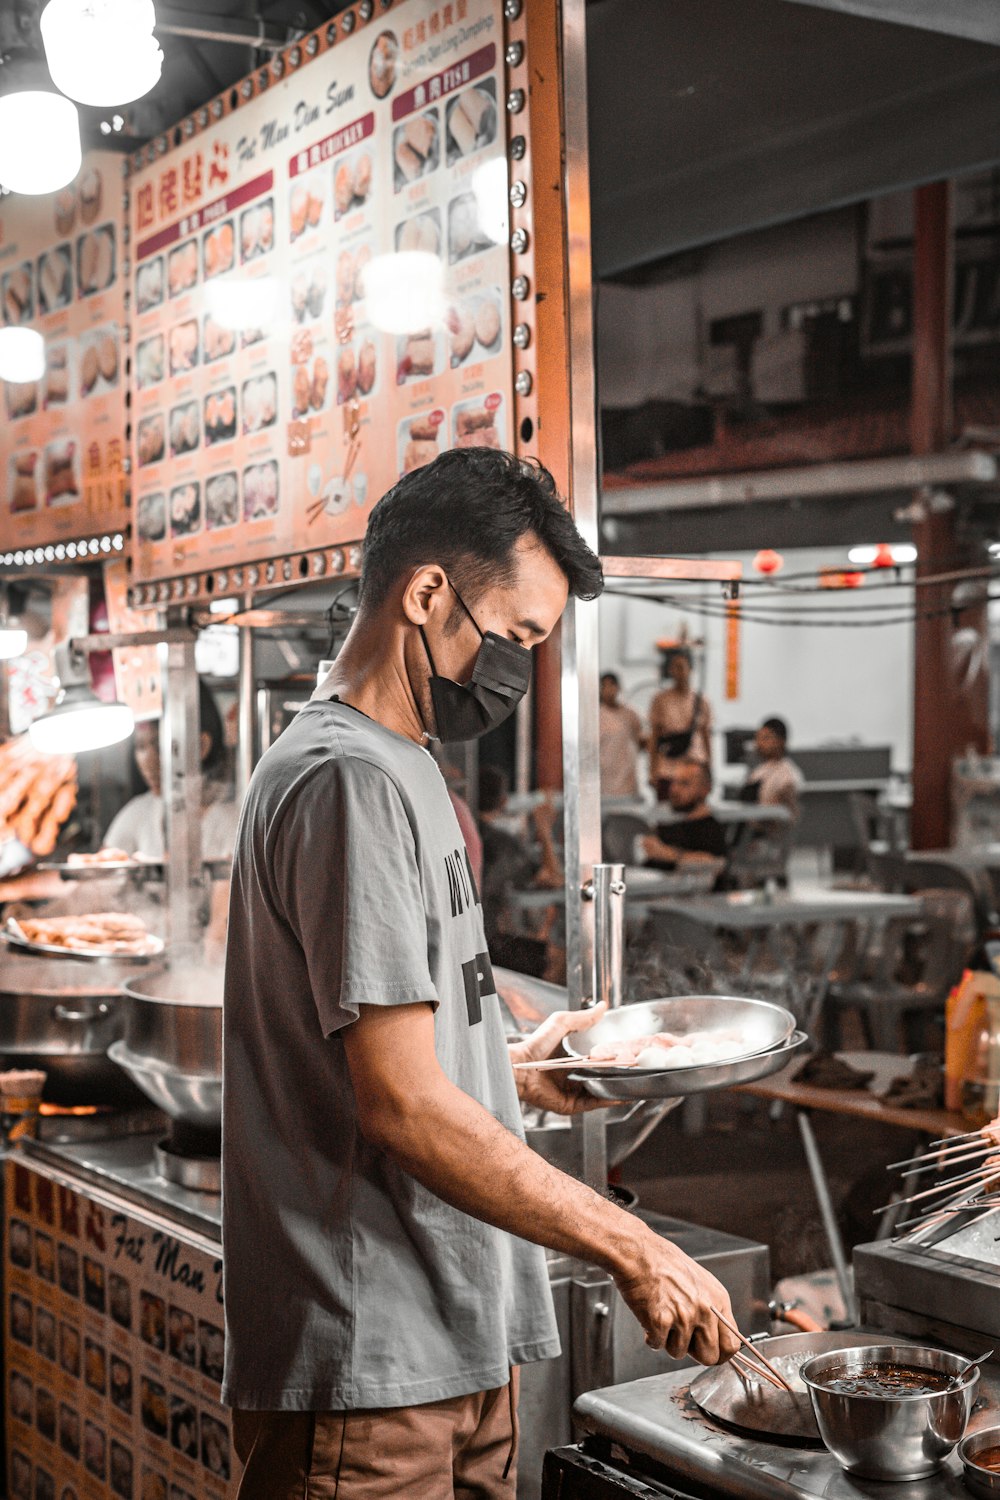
(348, 1284)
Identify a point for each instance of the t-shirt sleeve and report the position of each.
(347, 880)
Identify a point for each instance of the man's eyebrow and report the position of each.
(532, 626)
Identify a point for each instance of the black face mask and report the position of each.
(501, 675)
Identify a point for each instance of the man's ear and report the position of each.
(425, 591)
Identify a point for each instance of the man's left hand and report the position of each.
(553, 1091)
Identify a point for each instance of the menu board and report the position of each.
(138, 677)
(62, 441)
(272, 406)
(114, 1353)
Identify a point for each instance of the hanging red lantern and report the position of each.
(883, 556)
(768, 561)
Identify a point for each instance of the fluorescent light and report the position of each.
(39, 141)
(489, 184)
(71, 729)
(13, 642)
(237, 303)
(102, 52)
(405, 292)
(864, 557)
(22, 355)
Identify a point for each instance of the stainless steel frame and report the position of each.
(180, 747)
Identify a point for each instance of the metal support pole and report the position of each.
(246, 713)
(523, 731)
(180, 772)
(609, 929)
(827, 1213)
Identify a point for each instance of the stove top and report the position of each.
(658, 1419)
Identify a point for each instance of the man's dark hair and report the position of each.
(493, 789)
(611, 677)
(778, 727)
(467, 510)
(210, 723)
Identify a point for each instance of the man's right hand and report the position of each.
(672, 1296)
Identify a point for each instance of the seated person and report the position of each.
(509, 864)
(696, 836)
(776, 780)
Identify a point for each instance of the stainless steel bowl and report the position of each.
(175, 1017)
(189, 1098)
(904, 1437)
(984, 1482)
(675, 1083)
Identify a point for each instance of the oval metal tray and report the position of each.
(674, 1083)
(763, 1024)
(15, 937)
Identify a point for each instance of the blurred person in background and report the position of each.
(511, 864)
(695, 836)
(680, 723)
(622, 737)
(776, 780)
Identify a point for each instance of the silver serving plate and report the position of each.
(675, 1083)
(90, 872)
(16, 938)
(194, 1098)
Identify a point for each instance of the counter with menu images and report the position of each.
(114, 1330)
(62, 441)
(270, 408)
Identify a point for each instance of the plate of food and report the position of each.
(109, 934)
(108, 861)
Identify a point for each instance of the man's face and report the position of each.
(526, 611)
(609, 691)
(687, 788)
(146, 749)
(770, 746)
(680, 672)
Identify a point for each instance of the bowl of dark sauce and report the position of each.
(980, 1455)
(890, 1412)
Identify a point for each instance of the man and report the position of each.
(697, 836)
(378, 1196)
(680, 723)
(622, 736)
(776, 780)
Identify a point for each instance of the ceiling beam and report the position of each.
(976, 20)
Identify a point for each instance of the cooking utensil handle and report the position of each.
(609, 927)
(66, 1013)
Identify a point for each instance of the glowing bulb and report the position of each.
(101, 52)
(13, 642)
(39, 141)
(22, 355)
(489, 184)
(74, 730)
(404, 293)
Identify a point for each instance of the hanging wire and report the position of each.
(752, 615)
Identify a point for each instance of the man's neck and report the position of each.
(368, 675)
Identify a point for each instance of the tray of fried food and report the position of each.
(107, 934)
(37, 795)
(107, 861)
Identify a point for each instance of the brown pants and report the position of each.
(464, 1448)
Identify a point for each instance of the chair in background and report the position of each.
(933, 874)
(619, 832)
(891, 1010)
(866, 819)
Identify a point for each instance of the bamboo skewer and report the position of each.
(937, 1159)
(951, 1161)
(754, 1372)
(942, 1187)
(752, 1349)
(952, 1140)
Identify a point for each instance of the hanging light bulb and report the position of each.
(768, 561)
(39, 133)
(79, 721)
(22, 355)
(102, 52)
(883, 555)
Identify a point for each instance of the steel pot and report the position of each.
(171, 1045)
(62, 1016)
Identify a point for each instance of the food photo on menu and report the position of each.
(149, 285)
(478, 423)
(55, 387)
(222, 500)
(423, 232)
(471, 121)
(260, 491)
(91, 196)
(352, 182)
(382, 64)
(357, 369)
(217, 342)
(22, 481)
(219, 249)
(307, 206)
(21, 398)
(151, 517)
(259, 402)
(308, 292)
(185, 509)
(151, 439)
(475, 325)
(185, 429)
(95, 260)
(18, 288)
(310, 387)
(419, 440)
(416, 148)
(62, 478)
(350, 273)
(55, 279)
(184, 347)
(150, 361)
(99, 361)
(256, 231)
(466, 235)
(220, 416)
(419, 355)
(182, 268)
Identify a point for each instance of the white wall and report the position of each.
(832, 685)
